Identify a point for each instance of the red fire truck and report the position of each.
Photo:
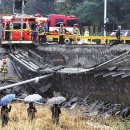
(4, 19)
(12, 32)
(54, 21)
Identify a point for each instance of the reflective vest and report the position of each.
(86, 33)
(41, 30)
(4, 69)
(76, 31)
(61, 30)
(11, 26)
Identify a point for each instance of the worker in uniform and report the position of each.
(31, 111)
(55, 113)
(4, 71)
(76, 33)
(118, 33)
(86, 34)
(118, 36)
(11, 28)
(61, 34)
(41, 34)
(45, 25)
(7, 32)
(34, 36)
(5, 114)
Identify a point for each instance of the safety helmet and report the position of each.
(119, 27)
(61, 24)
(38, 24)
(75, 25)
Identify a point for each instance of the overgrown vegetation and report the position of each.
(70, 120)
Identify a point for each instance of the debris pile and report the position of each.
(90, 107)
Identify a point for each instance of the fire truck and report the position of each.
(52, 24)
(4, 19)
(13, 33)
(54, 21)
(40, 19)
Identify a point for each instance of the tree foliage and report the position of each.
(93, 12)
(89, 12)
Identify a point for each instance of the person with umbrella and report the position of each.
(5, 114)
(5, 110)
(31, 110)
(54, 103)
(56, 111)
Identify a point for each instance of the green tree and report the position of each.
(6, 7)
(90, 12)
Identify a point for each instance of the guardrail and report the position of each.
(102, 39)
(91, 39)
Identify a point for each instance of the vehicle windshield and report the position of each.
(70, 23)
(18, 26)
(58, 22)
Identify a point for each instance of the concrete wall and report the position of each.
(82, 55)
(116, 90)
(112, 89)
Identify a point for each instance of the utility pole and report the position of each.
(22, 20)
(13, 7)
(105, 16)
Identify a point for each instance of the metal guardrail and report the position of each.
(91, 39)
(102, 39)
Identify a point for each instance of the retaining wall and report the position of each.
(112, 89)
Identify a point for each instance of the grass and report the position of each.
(69, 120)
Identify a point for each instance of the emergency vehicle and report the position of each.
(4, 19)
(12, 32)
(54, 21)
(40, 19)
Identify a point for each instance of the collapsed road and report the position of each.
(79, 70)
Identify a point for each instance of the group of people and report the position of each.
(39, 32)
(62, 31)
(31, 111)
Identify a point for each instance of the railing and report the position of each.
(90, 39)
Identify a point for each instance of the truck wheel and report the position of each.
(67, 41)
